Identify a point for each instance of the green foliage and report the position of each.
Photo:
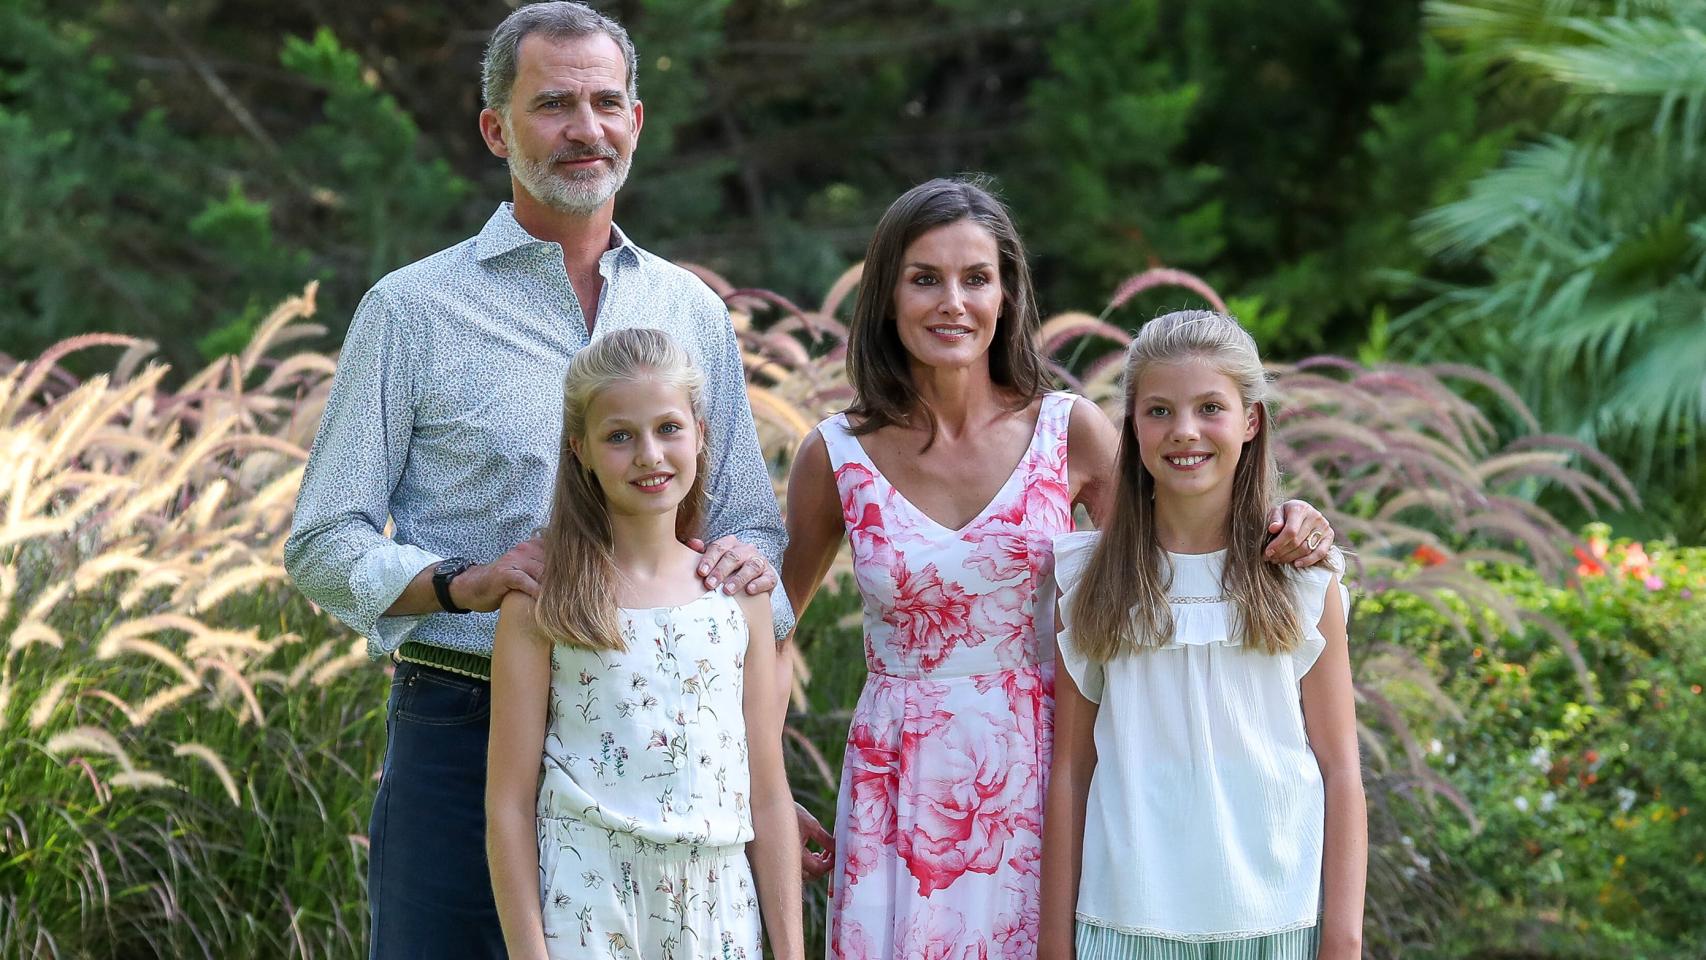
(134, 219)
(92, 868)
(1098, 156)
(1578, 741)
(364, 159)
(1588, 243)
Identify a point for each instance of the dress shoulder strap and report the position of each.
(838, 439)
(1056, 414)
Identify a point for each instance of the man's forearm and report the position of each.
(418, 597)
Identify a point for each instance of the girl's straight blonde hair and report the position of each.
(577, 595)
(1122, 601)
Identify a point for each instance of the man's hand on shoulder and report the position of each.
(735, 566)
(482, 587)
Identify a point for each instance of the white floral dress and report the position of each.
(643, 796)
(938, 830)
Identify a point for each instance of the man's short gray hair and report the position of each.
(556, 20)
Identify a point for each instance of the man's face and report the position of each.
(570, 128)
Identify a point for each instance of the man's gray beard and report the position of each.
(568, 194)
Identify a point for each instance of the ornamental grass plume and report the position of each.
(170, 748)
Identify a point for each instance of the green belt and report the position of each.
(455, 661)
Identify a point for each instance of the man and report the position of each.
(445, 417)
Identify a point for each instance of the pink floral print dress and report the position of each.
(938, 828)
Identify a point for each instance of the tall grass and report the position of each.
(188, 749)
(186, 746)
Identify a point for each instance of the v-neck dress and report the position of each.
(938, 830)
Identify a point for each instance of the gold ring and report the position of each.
(1314, 540)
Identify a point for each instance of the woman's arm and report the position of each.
(1092, 445)
(1329, 713)
(814, 523)
(814, 536)
(521, 690)
(1063, 815)
(775, 846)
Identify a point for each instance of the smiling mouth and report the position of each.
(1189, 461)
(950, 332)
(654, 483)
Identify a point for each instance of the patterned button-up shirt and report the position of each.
(446, 414)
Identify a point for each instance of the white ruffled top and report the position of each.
(1204, 819)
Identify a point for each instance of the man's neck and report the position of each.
(583, 237)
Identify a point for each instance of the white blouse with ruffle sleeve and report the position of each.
(1204, 819)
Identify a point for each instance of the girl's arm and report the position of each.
(814, 536)
(1329, 713)
(1092, 445)
(1063, 814)
(521, 689)
(775, 847)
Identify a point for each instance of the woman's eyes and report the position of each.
(1212, 408)
(929, 280)
(670, 428)
(620, 436)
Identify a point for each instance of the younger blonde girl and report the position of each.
(1206, 799)
(635, 763)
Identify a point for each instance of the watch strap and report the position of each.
(446, 571)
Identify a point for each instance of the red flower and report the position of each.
(1429, 556)
(929, 617)
(967, 784)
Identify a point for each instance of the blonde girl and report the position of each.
(635, 742)
(1206, 797)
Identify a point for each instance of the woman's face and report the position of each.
(948, 299)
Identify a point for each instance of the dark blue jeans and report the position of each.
(427, 882)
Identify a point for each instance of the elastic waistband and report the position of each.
(582, 835)
(456, 661)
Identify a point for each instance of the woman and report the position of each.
(950, 474)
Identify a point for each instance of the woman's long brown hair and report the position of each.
(1121, 602)
(878, 366)
(577, 591)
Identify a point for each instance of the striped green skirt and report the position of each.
(1101, 943)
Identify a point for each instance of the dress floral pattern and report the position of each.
(643, 797)
(939, 825)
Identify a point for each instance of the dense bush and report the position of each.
(1581, 744)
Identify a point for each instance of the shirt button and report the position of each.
(662, 618)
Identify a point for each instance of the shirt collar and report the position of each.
(502, 234)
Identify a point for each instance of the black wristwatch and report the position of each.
(442, 574)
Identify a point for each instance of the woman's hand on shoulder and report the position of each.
(1297, 534)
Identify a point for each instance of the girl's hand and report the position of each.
(735, 566)
(1301, 536)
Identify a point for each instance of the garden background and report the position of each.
(1471, 236)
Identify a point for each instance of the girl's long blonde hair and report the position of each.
(1122, 600)
(577, 604)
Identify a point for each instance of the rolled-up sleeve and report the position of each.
(336, 552)
(742, 499)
